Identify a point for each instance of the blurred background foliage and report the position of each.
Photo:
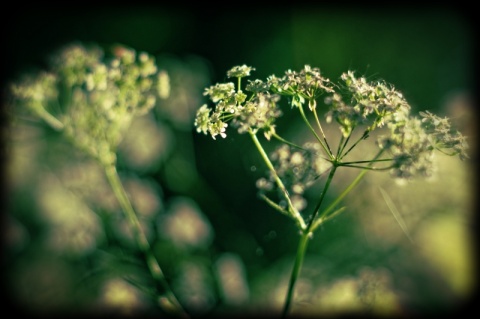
(66, 247)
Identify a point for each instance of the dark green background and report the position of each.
(426, 51)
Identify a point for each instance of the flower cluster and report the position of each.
(410, 148)
(364, 103)
(92, 98)
(443, 137)
(412, 142)
(406, 143)
(353, 103)
(308, 84)
(240, 71)
(298, 169)
(259, 112)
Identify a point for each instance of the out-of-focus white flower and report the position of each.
(185, 225)
(232, 278)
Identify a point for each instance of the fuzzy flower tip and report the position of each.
(240, 71)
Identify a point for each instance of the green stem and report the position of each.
(364, 135)
(319, 221)
(275, 205)
(349, 188)
(369, 161)
(314, 224)
(321, 130)
(171, 304)
(293, 211)
(322, 196)
(281, 139)
(302, 246)
(367, 167)
(326, 149)
(341, 146)
(50, 119)
(301, 250)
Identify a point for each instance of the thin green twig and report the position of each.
(50, 119)
(322, 196)
(293, 211)
(314, 223)
(281, 139)
(321, 130)
(322, 143)
(169, 302)
(364, 135)
(396, 214)
(349, 188)
(275, 205)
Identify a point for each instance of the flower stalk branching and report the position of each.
(92, 99)
(406, 143)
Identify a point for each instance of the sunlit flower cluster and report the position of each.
(258, 112)
(404, 144)
(364, 103)
(443, 137)
(308, 84)
(413, 141)
(352, 103)
(410, 148)
(240, 71)
(91, 97)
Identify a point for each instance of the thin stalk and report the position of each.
(367, 167)
(301, 250)
(345, 142)
(398, 217)
(339, 148)
(321, 130)
(326, 149)
(313, 224)
(343, 194)
(141, 240)
(322, 196)
(275, 205)
(294, 212)
(278, 137)
(349, 188)
(302, 247)
(50, 119)
(365, 134)
(320, 221)
(370, 161)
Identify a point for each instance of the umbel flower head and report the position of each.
(364, 103)
(308, 84)
(257, 113)
(407, 141)
(410, 141)
(91, 97)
